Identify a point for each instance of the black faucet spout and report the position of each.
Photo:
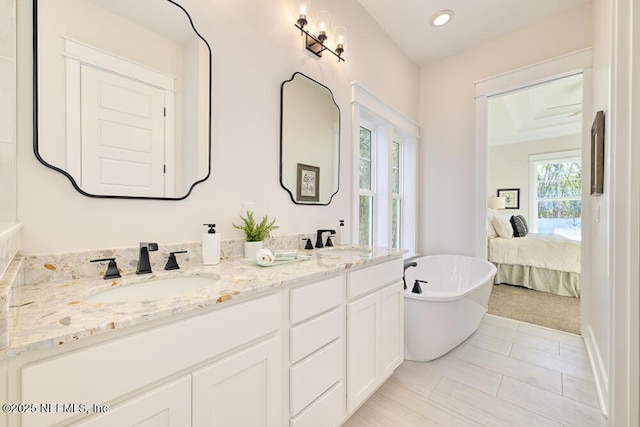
(408, 264)
(144, 265)
(319, 233)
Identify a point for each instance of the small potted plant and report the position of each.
(255, 233)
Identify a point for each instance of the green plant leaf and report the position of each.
(256, 232)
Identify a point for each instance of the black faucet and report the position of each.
(144, 266)
(408, 264)
(319, 237)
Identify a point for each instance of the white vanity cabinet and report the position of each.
(234, 346)
(375, 334)
(305, 355)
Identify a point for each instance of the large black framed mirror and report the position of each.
(309, 141)
(122, 97)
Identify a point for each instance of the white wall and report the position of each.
(7, 113)
(508, 166)
(447, 120)
(255, 48)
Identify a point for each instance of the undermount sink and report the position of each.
(154, 289)
(345, 252)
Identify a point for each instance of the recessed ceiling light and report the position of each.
(441, 17)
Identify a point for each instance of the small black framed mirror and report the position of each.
(309, 141)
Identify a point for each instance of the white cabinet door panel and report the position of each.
(242, 390)
(391, 329)
(362, 348)
(168, 405)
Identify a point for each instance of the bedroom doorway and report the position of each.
(534, 156)
(534, 138)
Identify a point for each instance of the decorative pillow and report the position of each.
(524, 221)
(491, 231)
(503, 226)
(519, 226)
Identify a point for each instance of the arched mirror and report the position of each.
(122, 96)
(309, 141)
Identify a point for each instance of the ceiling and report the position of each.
(542, 111)
(474, 22)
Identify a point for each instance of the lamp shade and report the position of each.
(495, 202)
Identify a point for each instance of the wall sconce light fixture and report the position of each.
(316, 43)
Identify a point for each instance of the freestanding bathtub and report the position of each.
(451, 304)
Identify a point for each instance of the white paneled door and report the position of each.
(123, 135)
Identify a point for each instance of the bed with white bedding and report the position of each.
(544, 262)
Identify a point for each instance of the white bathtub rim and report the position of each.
(441, 296)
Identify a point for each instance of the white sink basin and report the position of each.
(345, 252)
(154, 289)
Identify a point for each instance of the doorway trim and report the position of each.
(563, 66)
(573, 63)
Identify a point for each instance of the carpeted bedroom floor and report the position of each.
(539, 308)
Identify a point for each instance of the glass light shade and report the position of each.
(302, 11)
(302, 7)
(341, 39)
(341, 36)
(324, 24)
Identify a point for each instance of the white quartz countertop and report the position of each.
(52, 314)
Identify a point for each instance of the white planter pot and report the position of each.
(251, 249)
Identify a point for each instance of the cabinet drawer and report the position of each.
(328, 410)
(103, 372)
(315, 298)
(315, 333)
(367, 279)
(315, 375)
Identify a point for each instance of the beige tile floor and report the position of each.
(508, 373)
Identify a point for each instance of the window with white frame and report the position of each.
(366, 189)
(387, 175)
(556, 206)
(396, 195)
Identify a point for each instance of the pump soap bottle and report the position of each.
(341, 238)
(210, 246)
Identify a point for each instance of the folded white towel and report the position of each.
(265, 257)
(286, 254)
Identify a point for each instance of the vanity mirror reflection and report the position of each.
(309, 141)
(122, 96)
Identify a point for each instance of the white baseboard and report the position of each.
(599, 370)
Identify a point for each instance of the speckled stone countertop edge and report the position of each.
(12, 276)
(52, 314)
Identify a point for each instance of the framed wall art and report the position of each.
(511, 197)
(597, 155)
(308, 188)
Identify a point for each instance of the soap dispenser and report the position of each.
(341, 238)
(210, 246)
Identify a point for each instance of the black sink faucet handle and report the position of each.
(172, 262)
(112, 271)
(308, 245)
